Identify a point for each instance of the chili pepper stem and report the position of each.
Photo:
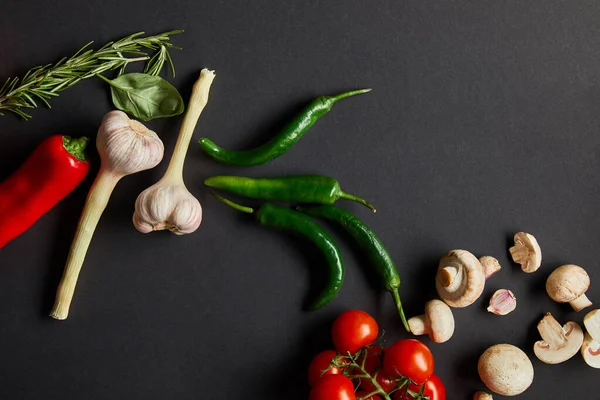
(94, 206)
(239, 207)
(348, 196)
(76, 147)
(351, 93)
(396, 297)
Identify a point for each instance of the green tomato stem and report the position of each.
(373, 379)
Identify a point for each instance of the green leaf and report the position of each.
(145, 97)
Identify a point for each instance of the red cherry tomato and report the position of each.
(386, 383)
(363, 394)
(434, 388)
(352, 330)
(409, 358)
(333, 387)
(319, 364)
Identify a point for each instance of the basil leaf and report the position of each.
(144, 96)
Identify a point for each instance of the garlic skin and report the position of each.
(167, 206)
(126, 146)
(503, 301)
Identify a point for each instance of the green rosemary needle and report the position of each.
(41, 83)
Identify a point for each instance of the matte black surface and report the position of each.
(484, 120)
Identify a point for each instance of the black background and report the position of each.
(483, 121)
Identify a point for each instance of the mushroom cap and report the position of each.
(526, 252)
(439, 318)
(566, 283)
(590, 351)
(467, 285)
(482, 396)
(591, 321)
(505, 369)
(560, 350)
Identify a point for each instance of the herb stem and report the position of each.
(44, 82)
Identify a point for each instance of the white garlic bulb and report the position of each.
(168, 204)
(125, 147)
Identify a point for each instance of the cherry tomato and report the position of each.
(363, 394)
(319, 364)
(385, 382)
(434, 388)
(409, 358)
(352, 330)
(333, 387)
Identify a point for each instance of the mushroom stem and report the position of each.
(417, 325)
(552, 332)
(447, 276)
(580, 303)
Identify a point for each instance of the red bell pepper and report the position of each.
(48, 175)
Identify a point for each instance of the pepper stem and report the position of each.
(348, 196)
(239, 207)
(396, 297)
(351, 93)
(76, 147)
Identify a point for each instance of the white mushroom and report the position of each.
(526, 252)
(490, 266)
(505, 369)
(559, 343)
(460, 278)
(503, 301)
(437, 322)
(591, 341)
(568, 284)
(482, 396)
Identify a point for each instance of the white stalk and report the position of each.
(168, 204)
(125, 147)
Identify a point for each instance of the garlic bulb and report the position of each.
(168, 204)
(125, 147)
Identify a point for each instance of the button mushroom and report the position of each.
(437, 322)
(568, 284)
(526, 252)
(559, 343)
(591, 341)
(505, 369)
(482, 396)
(460, 278)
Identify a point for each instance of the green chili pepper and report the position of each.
(273, 216)
(370, 243)
(298, 188)
(281, 143)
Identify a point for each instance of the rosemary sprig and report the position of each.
(41, 83)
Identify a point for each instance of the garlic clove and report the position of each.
(490, 266)
(503, 301)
